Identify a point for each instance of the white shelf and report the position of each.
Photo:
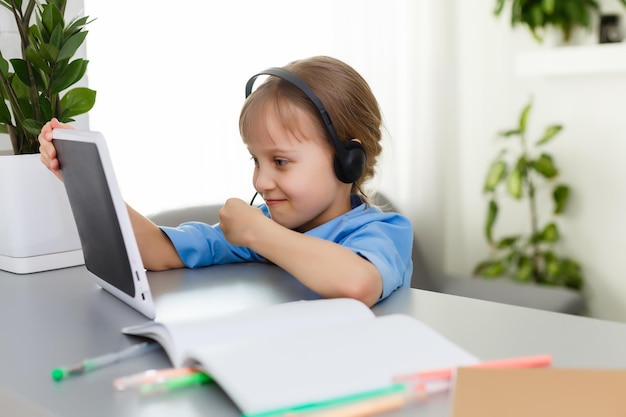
(572, 60)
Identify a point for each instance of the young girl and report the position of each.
(313, 129)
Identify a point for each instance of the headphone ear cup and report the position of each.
(351, 168)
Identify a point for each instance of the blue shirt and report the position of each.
(385, 239)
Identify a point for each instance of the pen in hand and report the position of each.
(95, 363)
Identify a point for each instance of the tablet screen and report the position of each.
(96, 220)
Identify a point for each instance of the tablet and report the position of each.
(109, 246)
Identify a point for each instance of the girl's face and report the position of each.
(294, 172)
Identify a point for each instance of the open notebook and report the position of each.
(106, 235)
(277, 358)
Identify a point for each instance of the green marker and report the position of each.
(196, 378)
(88, 365)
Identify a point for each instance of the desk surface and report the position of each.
(60, 317)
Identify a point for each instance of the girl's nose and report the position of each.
(263, 179)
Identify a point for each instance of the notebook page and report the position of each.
(324, 363)
(252, 325)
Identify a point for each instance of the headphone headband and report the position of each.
(349, 156)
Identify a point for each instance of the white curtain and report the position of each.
(170, 82)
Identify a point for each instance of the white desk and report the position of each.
(60, 317)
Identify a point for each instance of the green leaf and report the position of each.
(33, 56)
(524, 271)
(490, 269)
(551, 132)
(499, 6)
(572, 274)
(21, 70)
(51, 16)
(69, 76)
(560, 196)
(78, 101)
(496, 173)
(545, 166)
(548, 6)
(507, 242)
(71, 45)
(509, 133)
(524, 117)
(45, 108)
(49, 52)
(4, 66)
(32, 126)
(550, 233)
(492, 215)
(514, 183)
(5, 114)
(56, 37)
(76, 25)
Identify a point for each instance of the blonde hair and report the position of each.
(347, 97)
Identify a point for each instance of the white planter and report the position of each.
(37, 229)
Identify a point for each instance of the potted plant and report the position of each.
(562, 15)
(521, 175)
(34, 88)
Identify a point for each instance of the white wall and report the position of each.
(591, 151)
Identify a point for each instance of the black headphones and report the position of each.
(349, 156)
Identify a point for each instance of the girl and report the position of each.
(313, 130)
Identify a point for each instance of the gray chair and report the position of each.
(556, 299)
(527, 295)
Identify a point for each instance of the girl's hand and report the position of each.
(240, 221)
(46, 148)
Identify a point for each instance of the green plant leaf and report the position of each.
(4, 66)
(33, 56)
(560, 196)
(78, 101)
(71, 45)
(497, 172)
(514, 182)
(492, 215)
(69, 76)
(490, 269)
(45, 108)
(51, 16)
(499, 6)
(544, 165)
(551, 132)
(524, 271)
(21, 70)
(32, 126)
(507, 241)
(76, 25)
(547, 6)
(509, 133)
(49, 52)
(5, 114)
(550, 233)
(56, 37)
(524, 118)
(572, 274)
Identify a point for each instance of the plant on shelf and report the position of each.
(34, 87)
(564, 15)
(522, 174)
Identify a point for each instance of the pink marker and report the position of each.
(535, 361)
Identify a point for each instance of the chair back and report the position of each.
(422, 277)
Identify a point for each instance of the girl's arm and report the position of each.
(326, 267)
(157, 251)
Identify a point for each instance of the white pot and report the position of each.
(37, 229)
